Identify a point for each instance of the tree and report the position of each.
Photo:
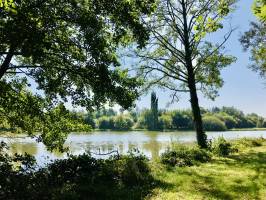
(259, 9)
(123, 122)
(229, 121)
(165, 122)
(181, 119)
(255, 39)
(69, 49)
(178, 56)
(154, 112)
(105, 122)
(212, 123)
(89, 119)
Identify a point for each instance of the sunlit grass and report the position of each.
(240, 176)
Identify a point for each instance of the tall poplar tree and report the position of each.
(154, 112)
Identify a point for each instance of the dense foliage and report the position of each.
(77, 177)
(181, 155)
(185, 156)
(221, 147)
(211, 123)
(215, 119)
(67, 51)
(254, 40)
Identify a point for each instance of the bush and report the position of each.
(221, 147)
(264, 124)
(105, 122)
(123, 122)
(80, 177)
(90, 120)
(145, 120)
(185, 156)
(133, 170)
(229, 121)
(165, 122)
(211, 123)
(181, 119)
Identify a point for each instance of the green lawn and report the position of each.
(241, 176)
(248, 129)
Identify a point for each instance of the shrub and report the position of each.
(221, 147)
(181, 119)
(185, 156)
(211, 123)
(123, 122)
(79, 177)
(90, 121)
(264, 124)
(105, 122)
(145, 120)
(133, 170)
(165, 122)
(230, 121)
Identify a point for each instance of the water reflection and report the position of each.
(21, 148)
(152, 144)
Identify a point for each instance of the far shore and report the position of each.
(8, 133)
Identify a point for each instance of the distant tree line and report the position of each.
(215, 119)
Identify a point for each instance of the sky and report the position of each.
(243, 88)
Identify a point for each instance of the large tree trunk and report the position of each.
(201, 136)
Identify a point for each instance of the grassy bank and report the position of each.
(183, 172)
(241, 175)
(248, 129)
(183, 130)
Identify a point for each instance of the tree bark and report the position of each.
(6, 63)
(201, 136)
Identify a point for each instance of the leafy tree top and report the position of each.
(69, 49)
(259, 9)
(179, 31)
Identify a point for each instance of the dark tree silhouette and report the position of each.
(154, 111)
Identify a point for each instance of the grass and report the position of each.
(239, 176)
(247, 129)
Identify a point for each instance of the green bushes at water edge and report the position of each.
(181, 155)
(185, 156)
(77, 177)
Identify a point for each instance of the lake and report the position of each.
(152, 144)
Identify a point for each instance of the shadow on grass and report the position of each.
(251, 160)
(240, 176)
(130, 178)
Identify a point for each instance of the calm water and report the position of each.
(149, 143)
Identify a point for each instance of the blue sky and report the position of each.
(243, 88)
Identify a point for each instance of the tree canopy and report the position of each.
(69, 49)
(259, 9)
(255, 39)
(179, 56)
